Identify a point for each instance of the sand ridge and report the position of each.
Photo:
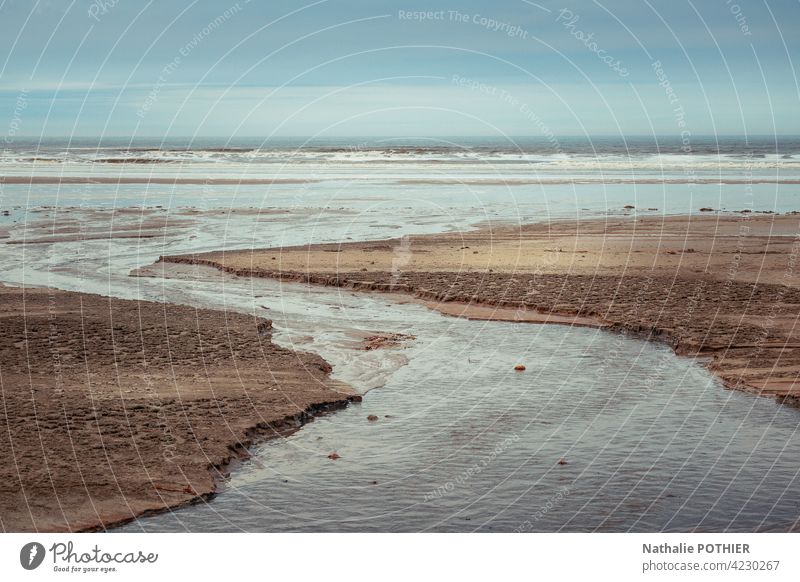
(113, 409)
(723, 287)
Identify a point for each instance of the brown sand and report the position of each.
(112, 408)
(724, 287)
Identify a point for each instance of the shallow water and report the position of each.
(651, 441)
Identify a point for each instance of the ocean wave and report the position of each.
(401, 156)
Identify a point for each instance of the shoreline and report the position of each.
(134, 408)
(57, 180)
(251, 181)
(730, 298)
(259, 434)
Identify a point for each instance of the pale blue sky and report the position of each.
(342, 67)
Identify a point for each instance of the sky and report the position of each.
(398, 68)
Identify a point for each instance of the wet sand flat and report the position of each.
(40, 180)
(723, 287)
(112, 408)
(245, 180)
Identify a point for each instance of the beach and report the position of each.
(720, 287)
(116, 408)
(357, 268)
(430, 269)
